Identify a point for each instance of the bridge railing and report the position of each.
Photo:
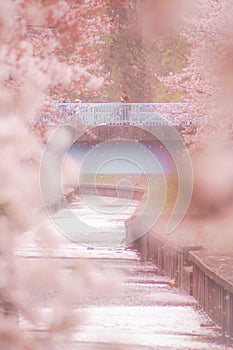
(123, 113)
(93, 114)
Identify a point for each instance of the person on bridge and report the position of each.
(124, 97)
(125, 109)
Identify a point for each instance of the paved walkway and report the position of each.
(146, 313)
(143, 311)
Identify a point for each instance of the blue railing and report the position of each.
(92, 114)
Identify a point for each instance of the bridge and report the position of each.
(138, 114)
(137, 122)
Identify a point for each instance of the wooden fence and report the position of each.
(213, 288)
(194, 269)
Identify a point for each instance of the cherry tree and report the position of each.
(206, 81)
(45, 46)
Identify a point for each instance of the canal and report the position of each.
(142, 310)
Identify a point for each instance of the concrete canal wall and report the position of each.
(110, 191)
(61, 201)
(67, 197)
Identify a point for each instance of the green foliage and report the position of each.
(173, 54)
(124, 57)
(132, 61)
(163, 94)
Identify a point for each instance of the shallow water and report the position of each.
(145, 311)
